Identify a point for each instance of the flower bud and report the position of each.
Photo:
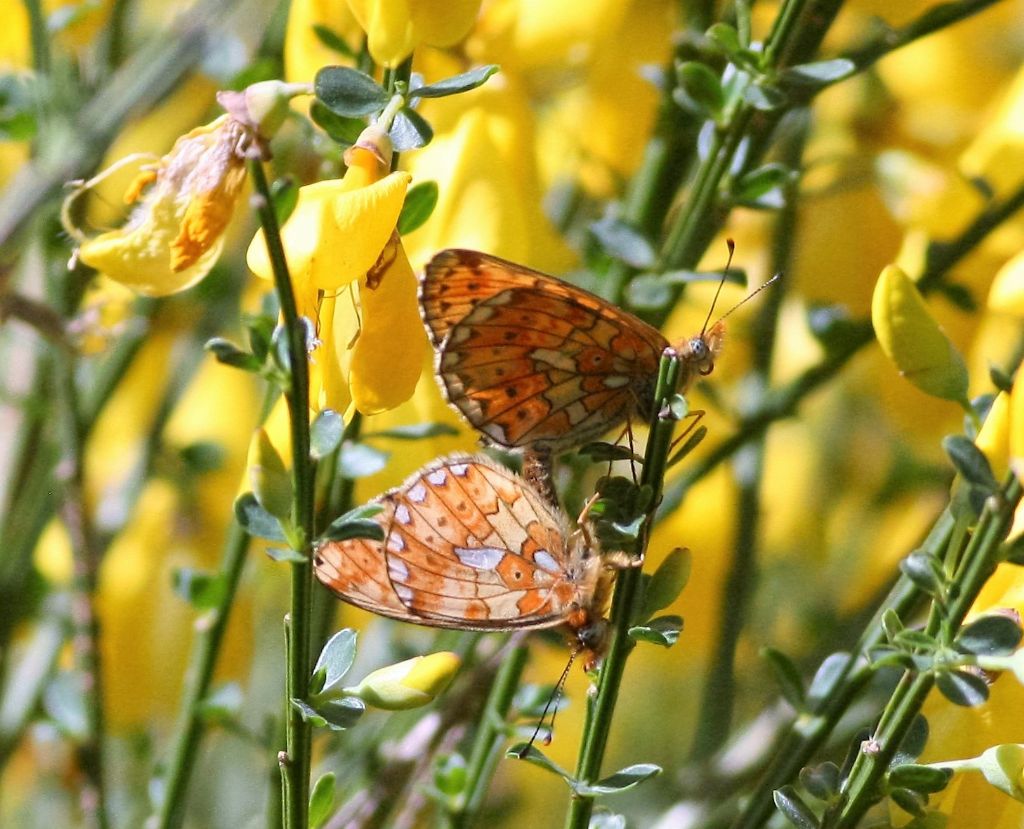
(409, 684)
(912, 339)
(262, 106)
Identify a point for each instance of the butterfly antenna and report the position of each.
(750, 296)
(553, 700)
(725, 272)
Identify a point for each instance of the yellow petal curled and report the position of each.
(912, 339)
(337, 230)
(388, 356)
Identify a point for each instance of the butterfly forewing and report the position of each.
(532, 361)
(467, 545)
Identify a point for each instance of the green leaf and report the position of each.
(420, 201)
(356, 523)
(913, 741)
(794, 809)
(922, 779)
(699, 91)
(764, 97)
(231, 355)
(200, 589)
(340, 128)
(663, 630)
(620, 781)
(415, 431)
(648, 292)
(992, 635)
(410, 131)
(349, 93)
(532, 754)
(668, 581)
(755, 187)
(284, 193)
(336, 658)
(321, 800)
(892, 625)
(828, 676)
(833, 326)
(725, 37)
(924, 571)
(819, 73)
(336, 715)
(909, 801)
(332, 40)
(601, 452)
(223, 705)
(255, 520)
(622, 242)
(450, 775)
(970, 462)
(910, 639)
(202, 457)
(822, 781)
(788, 677)
(286, 555)
(677, 407)
(1000, 379)
(358, 460)
(260, 331)
(962, 688)
(325, 434)
(457, 83)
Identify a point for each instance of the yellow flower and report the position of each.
(174, 236)
(342, 233)
(395, 27)
(409, 684)
(186, 199)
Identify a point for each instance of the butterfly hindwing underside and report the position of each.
(467, 544)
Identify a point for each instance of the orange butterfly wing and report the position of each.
(467, 545)
(530, 360)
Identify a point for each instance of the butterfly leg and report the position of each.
(697, 415)
(537, 466)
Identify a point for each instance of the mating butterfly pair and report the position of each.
(534, 364)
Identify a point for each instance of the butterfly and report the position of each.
(533, 362)
(470, 545)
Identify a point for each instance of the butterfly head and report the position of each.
(698, 354)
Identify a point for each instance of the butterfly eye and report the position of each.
(699, 348)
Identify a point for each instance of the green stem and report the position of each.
(979, 561)
(808, 732)
(84, 623)
(190, 726)
(600, 712)
(489, 738)
(715, 720)
(296, 760)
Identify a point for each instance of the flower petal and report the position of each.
(388, 356)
